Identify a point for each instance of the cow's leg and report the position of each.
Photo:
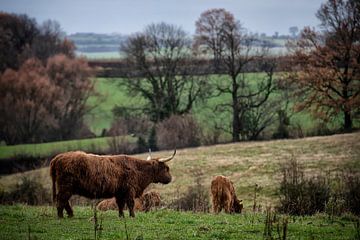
(68, 209)
(130, 205)
(121, 204)
(60, 209)
(227, 206)
(62, 202)
(215, 205)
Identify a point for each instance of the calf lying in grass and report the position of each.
(144, 203)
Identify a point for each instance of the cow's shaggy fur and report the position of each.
(107, 176)
(223, 196)
(144, 203)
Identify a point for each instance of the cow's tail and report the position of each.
(53, 178)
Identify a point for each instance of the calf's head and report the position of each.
(237, 206)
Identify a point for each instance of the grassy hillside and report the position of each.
(25, 222)
(246, 164)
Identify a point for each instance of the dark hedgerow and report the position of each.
(300, 195)
(351, 192)
(196, 198)
(28, 191)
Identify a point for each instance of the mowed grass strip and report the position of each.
(47, 149)
(100, 144)
(26, 222)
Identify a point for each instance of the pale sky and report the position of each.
(129, 16)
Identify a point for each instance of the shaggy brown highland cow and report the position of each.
(95, 176)
(223, 196)
(144, 203)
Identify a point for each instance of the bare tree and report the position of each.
(17, 33)
(51, 41)
(293, 31)
(40, 103)
(22, 38)
(326, 65)
(209, 32)
(73, 79)
(25, 105)
(161, 54)
(236, 55)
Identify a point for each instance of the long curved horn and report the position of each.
(168, 158)
(149, 157)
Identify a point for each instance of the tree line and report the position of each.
(321, 74)
(43, 87)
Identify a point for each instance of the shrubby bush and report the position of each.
(178, 131)
(121, 145)
(27, 191)
(351, 191)
(300, 195)
(122, 127)
(195, 199)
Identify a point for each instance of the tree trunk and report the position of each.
(347, 121)
(235, 125)
(235, 105)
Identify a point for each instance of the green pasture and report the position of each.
(26, 222)
(113, 92)
(245, 163)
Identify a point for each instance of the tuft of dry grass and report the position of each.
(245, 163)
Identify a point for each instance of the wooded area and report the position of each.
(172, 71)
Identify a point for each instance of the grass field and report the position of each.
(246, 164)
(25, 222)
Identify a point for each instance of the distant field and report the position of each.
(114, 93)
(246, 164)
(99, 55)
(26, 222)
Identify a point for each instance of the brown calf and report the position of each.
(144, 203)
(223, 196)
